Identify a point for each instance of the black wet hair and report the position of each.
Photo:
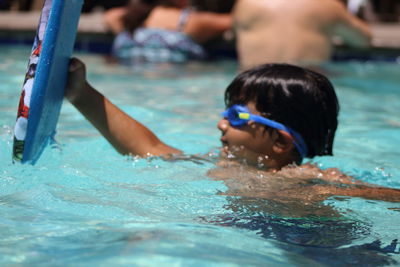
(299, 98)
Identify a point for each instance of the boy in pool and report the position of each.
(277, 115)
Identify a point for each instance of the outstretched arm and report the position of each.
(125, 134)
(357, 190)
(373, 193)
(312, 184)
(344, 185)
(351, 29)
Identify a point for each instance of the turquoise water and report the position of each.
(84, 204)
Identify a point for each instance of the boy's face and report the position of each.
(250, 142)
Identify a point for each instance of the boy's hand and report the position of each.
(76, 82)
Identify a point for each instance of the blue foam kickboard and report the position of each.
(51, 76)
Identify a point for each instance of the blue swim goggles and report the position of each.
(239, 115)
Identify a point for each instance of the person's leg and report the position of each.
(88, 5)
(25, 5)
(5, 4)
(107, 4)
(37, 4)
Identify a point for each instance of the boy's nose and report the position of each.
(223, 125)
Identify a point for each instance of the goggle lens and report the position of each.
(235, 117)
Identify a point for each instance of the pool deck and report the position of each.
(22, 26)
(27, 21)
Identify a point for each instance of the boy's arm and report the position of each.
(363, 191)
(351, 29)
(374, 193)
(127, 135)
(334, 183)
(356, 188)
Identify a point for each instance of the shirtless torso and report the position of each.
(297, 31)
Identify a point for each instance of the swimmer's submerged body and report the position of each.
(296, 191)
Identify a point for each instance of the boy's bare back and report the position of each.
(296, 31)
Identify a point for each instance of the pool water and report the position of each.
(84, 204)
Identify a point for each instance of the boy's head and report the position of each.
(298, 98)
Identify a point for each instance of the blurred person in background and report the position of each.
(296, 31)
(20, 5)
(89, 5)
(218, 6)
(163, 31)
(5, 4)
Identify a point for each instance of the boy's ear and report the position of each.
(283, 142)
